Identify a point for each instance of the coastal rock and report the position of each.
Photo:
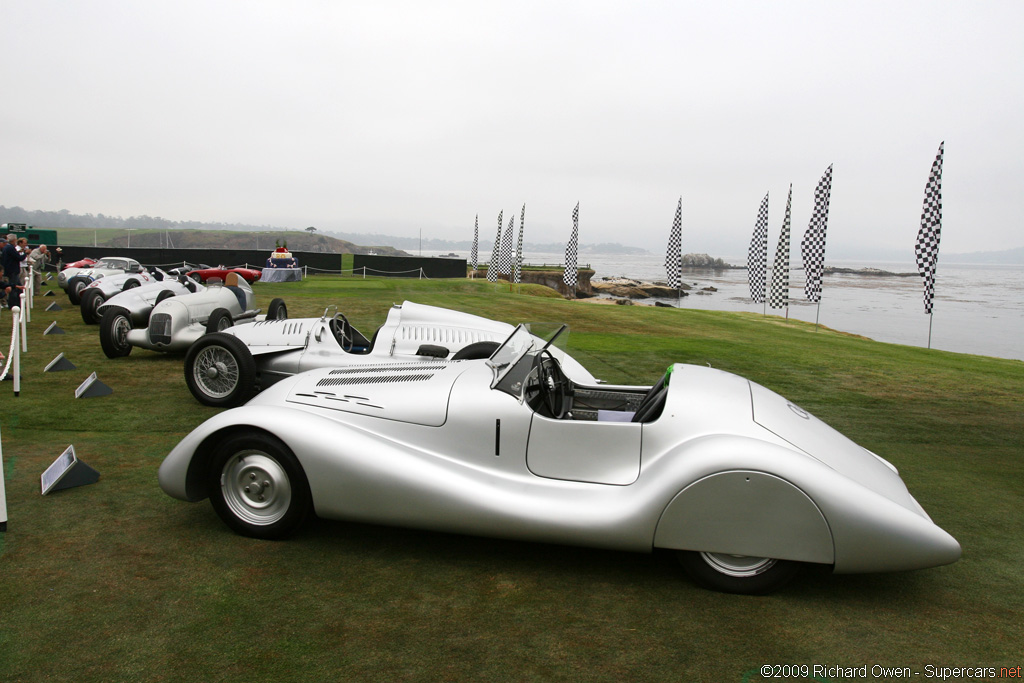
(634, 289)
(621, 288)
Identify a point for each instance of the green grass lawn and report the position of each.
(118, 582)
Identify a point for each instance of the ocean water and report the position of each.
(977, 309)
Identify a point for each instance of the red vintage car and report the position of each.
(203, 274)
(80, 263)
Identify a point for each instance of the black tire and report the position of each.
(75, 287)
(277, 310)
(476, 350)
(257, 486)
(162, 296)
(219, 321)
(131, 284)
(114, 327)
(220, 371)
(738, 573)
(91, 300)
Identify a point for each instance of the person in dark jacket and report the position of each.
(11, 260)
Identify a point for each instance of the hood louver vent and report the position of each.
(393, 367)
(380, 379)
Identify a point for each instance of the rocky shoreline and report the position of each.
(626, 288)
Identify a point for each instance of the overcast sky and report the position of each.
(401, 117)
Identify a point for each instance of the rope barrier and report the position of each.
(12, 353)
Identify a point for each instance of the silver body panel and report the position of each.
(444, 451)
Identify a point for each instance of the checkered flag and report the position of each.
(492, 267)
(757, 256)
(519, 247)
(474, 253)
(778, 297)
(812, 247)
(571, 271)
(927, 248)
(674, 252)
(506, 249)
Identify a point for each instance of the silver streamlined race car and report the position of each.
(177, 322)
(135, 294)
(226, 369)
(745, 485)
(74, 280)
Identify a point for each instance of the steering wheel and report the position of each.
(343, 332)
(553, 385)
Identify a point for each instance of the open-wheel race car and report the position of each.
(137, 301)
(744, 485)
(177, 322)
(226, 369)
(74, 280)
(148, 286)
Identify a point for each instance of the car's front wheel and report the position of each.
(114, 328)
(91, 300)
(257, 486)
(219, 321)
(75, 287)
(220, 371)
(738, 573)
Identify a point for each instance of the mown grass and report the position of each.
(117, 581)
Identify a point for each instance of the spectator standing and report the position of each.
(37, 258)
(11, 260)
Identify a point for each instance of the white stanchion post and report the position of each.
(29, 294)
(3, 491)
(24, 332)
(16, 355)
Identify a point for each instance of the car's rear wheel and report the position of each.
(131, 284)
(257, 486)
(738, 573)
(75, 287)
(115, 325)
(166, 294)
(220, 371)
(277, 310)
(91, 300)
(219, 321)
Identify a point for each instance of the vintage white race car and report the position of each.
(137, 301)
(74, 280)
(101, 290)
(177, 322)
(745, 485)
(228, 368)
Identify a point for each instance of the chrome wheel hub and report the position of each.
(256, 488)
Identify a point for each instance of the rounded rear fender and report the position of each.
(746, 512)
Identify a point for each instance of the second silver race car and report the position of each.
(228, 368)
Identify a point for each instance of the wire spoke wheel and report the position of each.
(216, 371)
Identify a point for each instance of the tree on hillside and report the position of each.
(311, 230)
